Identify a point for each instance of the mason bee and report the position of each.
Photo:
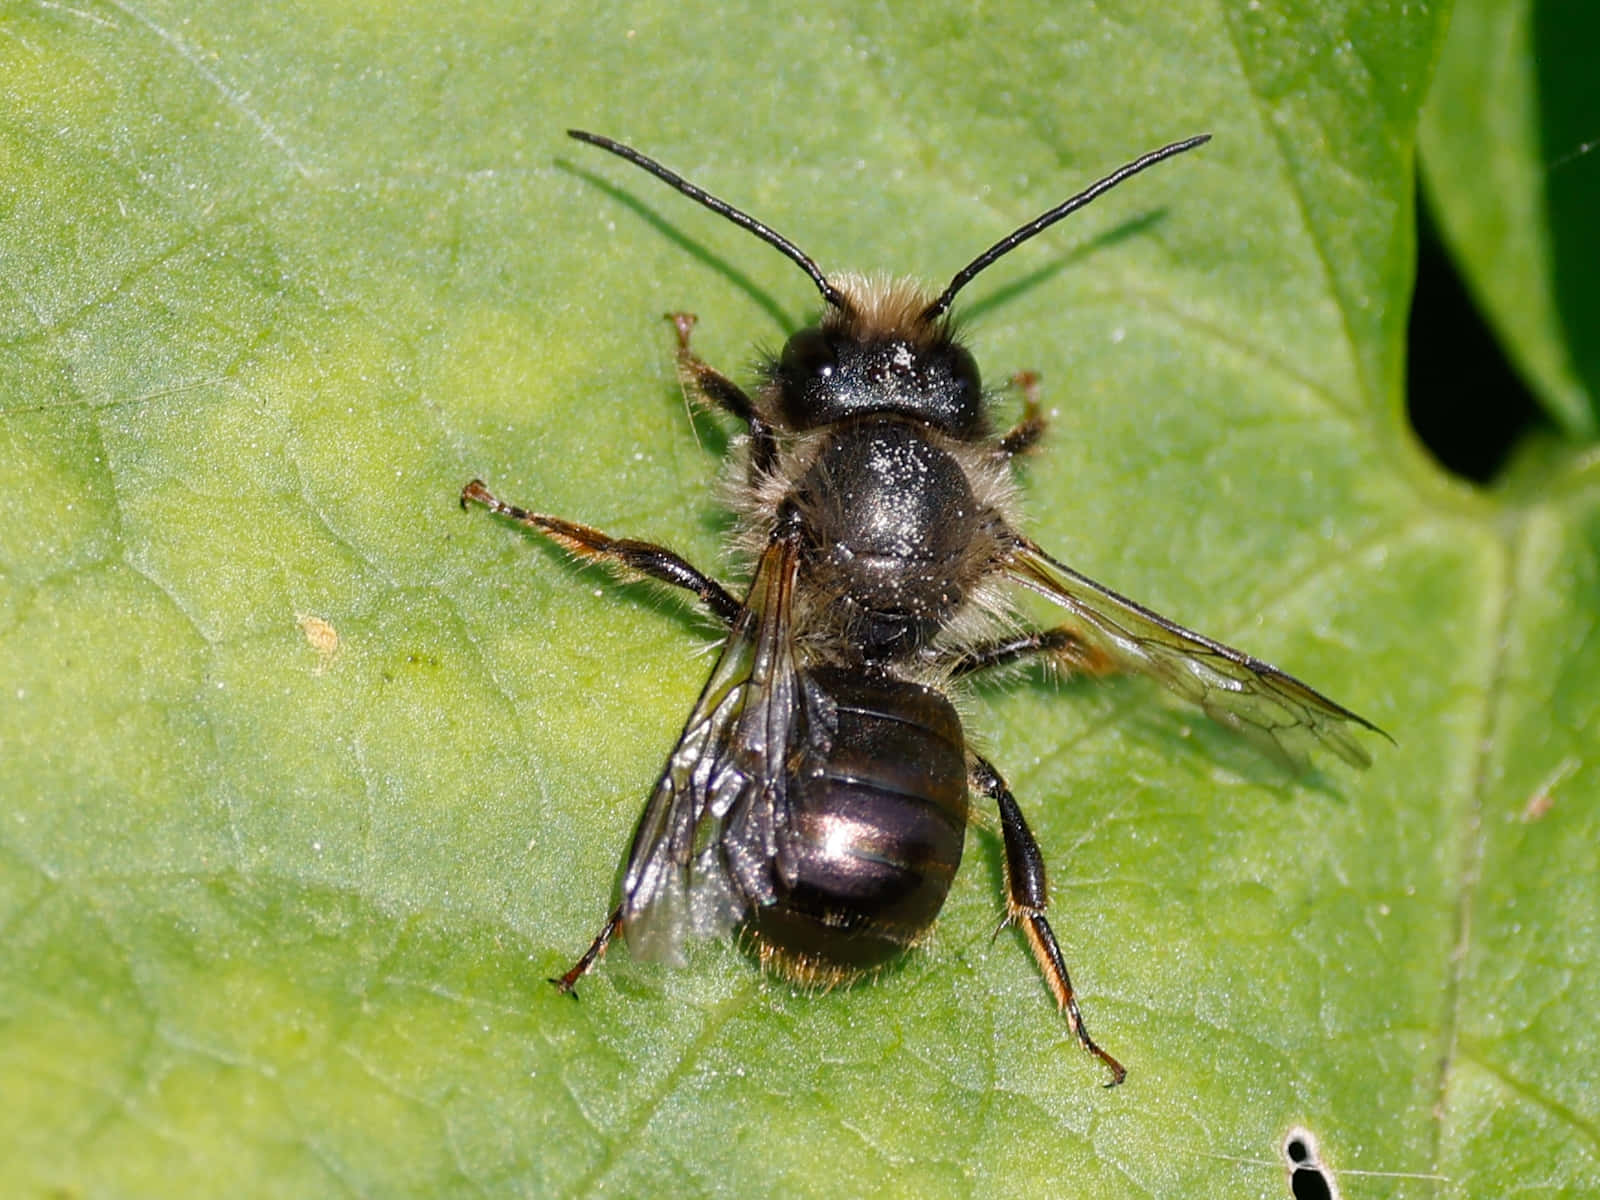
(816, 802)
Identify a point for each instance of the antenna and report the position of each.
(1046, 219)
(723, 209)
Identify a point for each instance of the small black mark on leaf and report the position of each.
(1308, 1178)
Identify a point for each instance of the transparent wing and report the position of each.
(1234, 688)
(716, 827)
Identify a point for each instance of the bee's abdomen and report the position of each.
(879, 819)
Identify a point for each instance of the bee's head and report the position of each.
(876, 351)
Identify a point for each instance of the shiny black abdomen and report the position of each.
(881, 816)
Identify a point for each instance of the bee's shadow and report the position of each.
(759, 296)
(1007, 293)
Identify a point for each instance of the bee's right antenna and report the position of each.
(1046, 219)
(723, 209)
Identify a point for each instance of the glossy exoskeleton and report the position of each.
(816, 802)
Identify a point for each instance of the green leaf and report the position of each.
(311, 778)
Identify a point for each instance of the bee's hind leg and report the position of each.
(1026, 899)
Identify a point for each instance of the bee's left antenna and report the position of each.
(723, 209)
(1046, 219)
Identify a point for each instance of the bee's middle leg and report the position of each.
(624, 555)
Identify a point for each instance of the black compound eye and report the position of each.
(808, 355)
(955, 394)
(964, 370)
